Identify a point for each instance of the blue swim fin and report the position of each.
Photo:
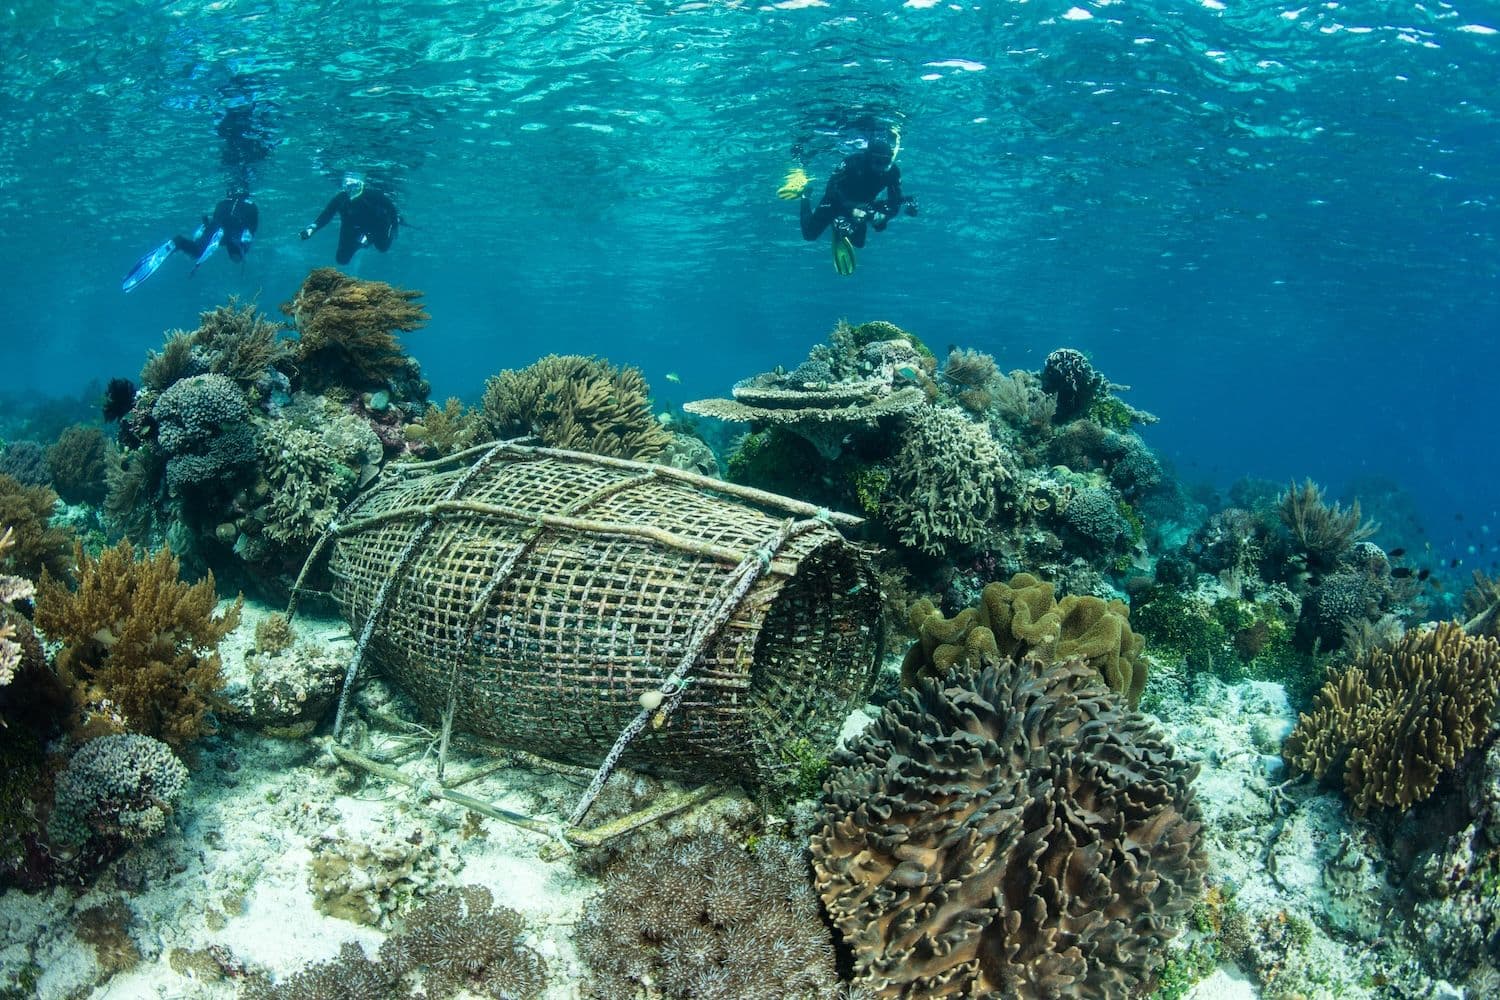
(208, 249)
(147, 265)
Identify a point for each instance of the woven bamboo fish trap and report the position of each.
(549, 600)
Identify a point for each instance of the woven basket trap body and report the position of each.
(544, 636)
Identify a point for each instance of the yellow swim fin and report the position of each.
(792, 187)
(843, 255)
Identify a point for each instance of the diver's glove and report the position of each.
(795, 183)
(307, 233)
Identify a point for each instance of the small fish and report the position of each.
(1401, 572)
(1424, 574)
(673, 377)
(1397, 553)
(1455, 562)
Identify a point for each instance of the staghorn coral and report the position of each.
(1389, 725)
(119, 787)
(203, 427)
(344, 329)
(1024, 618)
(1323, 532)
(139, 646)
(26, 463)
(708, 920)
(946, 482)
(80, 461)
(1008, 831)
(36, 545)
(576, 402)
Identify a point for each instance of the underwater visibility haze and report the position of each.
(1241, 260)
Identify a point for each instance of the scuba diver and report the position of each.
(232, 226)
(849, 201)
(244, 124)
(366, 218)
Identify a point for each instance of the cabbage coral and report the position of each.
(1008, 831)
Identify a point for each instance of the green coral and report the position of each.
(308, 482)
(1111, 413)
(870, 483)
(947, 482)
(1232, 639)
(1183, 969)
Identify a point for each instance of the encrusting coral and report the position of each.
(708, 920)
(1390, 725)
(344, 329)
(1024, 618)
(36, 544)
(139, 646)
(575, 402)
(1008, 831)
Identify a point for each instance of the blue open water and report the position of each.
(1278, 221)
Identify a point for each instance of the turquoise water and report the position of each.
(1277, 221)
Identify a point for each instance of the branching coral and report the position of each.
(1008, 831)
(457, 941)
(1323, 532)
(308, 483)
(238, 342)
(36, 545)
(139, 645)
(79, 462)
(1024, 618)
(708, 920)
(448, 428)
(1388, 726)
(118, 787)
(12, 588)
(576, 402)
(344, 327)
(947, 482)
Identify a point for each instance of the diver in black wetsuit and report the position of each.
(366, 218)
(247, 141)
(851, 200)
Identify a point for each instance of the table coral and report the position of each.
(139, 646)
(1008, 831)
(1389, 725)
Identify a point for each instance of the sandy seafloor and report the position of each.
(228, 885)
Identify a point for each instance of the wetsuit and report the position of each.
(369, 217)
(854, 184)
(235, 219)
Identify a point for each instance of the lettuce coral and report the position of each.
(576, 402)
(139, 646)
(1024, 618)
(1391, 724)
(1008, 831)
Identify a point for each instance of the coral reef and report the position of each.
(308, 483)
(1323, 532)
(1008, 831)
(12, 588)
(1068, 376)
(138, 644)
(37, 545)
(26, 463)
(119, 787)
(1387, 727)
(457, 941)
(79, 462)
(968, 374)
(708, 920)
(575, 402)
(366, 881)
(947, 482)
(203, 427)
(448, 428)
(1024, 618)
(344, 330)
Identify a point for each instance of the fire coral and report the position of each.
(139, 644)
